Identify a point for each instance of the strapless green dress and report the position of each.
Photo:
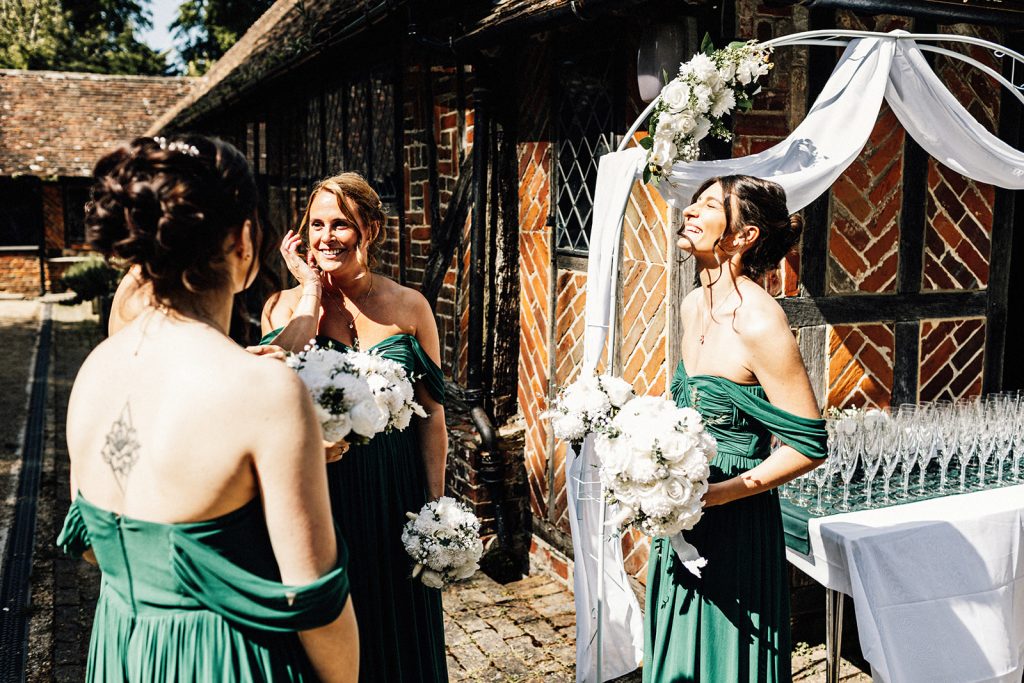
(732, 624)
(200, 601)
(401, 622)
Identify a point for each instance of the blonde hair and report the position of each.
(368, 205)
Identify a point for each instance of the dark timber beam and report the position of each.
(848, 310)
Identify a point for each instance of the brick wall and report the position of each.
(20, 274)
(862, 258)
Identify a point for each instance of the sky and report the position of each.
(163, 13)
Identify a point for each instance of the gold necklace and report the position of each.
(351, 324)
(704, 323)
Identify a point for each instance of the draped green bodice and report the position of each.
(742, 420)
(225, 565)
(730, 624)
(198, 601)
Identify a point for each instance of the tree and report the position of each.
(206, 29)
(77, 35)
(105, 40)
(32, 33)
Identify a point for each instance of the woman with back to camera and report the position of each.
(342, 302)
(197, 472)
(741, 369)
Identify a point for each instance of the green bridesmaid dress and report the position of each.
(401, 623)
(731, 624)
(199, 601)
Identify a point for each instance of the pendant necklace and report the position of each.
(704, 323)
(351, 324)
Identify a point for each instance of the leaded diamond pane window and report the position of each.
(382, 91)
(585, 125)
(357, 131)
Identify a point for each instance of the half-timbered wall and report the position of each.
(890, 293)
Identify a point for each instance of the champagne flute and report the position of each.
(850, 449)
(891, 457)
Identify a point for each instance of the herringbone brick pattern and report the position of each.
(860, 365)
(636, 548)
(644, 305)
(959, 210)
(569, 318)
(535, 257)
(952, 358)
(864, 236)
(534, 153)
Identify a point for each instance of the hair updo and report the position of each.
(755, 201)
(168, 205)
(368, 206)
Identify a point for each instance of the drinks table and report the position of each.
(938, 584)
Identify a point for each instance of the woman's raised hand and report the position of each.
(298, 265)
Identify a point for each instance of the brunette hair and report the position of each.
(168, 205)
(755, 201)
(368, 206)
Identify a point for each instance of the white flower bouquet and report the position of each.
(444, 541)
(587, 405)
(390, 385)
(344, 401)
(693, 104)
(654, 464)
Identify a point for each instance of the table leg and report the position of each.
(833, 633)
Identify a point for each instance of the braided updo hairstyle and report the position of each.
(168, 205)
(755, 201)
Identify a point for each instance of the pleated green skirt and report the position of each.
(401, 623)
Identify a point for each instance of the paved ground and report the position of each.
(518, 632)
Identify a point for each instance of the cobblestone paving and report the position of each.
(515, 633)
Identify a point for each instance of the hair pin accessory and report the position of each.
(176, 146)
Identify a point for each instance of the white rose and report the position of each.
(619, 390)
(368, 419)
(677, 124)
(465, 571)
(663, 153)
(702, 130)
(432, 579)
(337, 428)
(676, 95)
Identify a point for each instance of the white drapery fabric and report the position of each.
(938, 584)
(806, 164)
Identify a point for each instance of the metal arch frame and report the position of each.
(825, 37)
(831, 37)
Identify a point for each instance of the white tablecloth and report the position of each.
(938, 585)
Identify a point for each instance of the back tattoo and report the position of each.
(121, 450)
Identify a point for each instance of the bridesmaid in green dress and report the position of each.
(341, 301)
(742, 370)
(212, 527)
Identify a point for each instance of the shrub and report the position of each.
(91, 279)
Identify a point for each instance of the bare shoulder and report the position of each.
(690, 301)
(760, 318)
(412, 306)
(271, 387)
(279, 306)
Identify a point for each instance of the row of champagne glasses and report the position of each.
(912, 450)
